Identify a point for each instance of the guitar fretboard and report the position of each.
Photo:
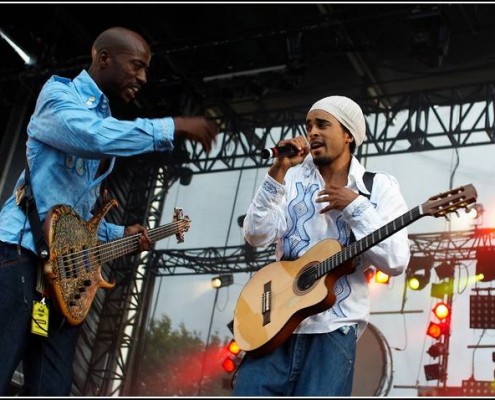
(318, 270)
(111, 250)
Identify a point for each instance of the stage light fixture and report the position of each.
(482, 312)
(233, 347)
(436, 329)
(418, 280)
(444, 271)
(240, 220)
(228, 365)
(369, 274)
(437, 350)
(222, 281)
(441, 310)
(434, 372)
(477, 211)
(442, 289)
(485, 260)
(185, 176)
(382, 277)
(475, 388)
(418, 272)
(233, 358)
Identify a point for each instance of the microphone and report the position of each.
(278, 151)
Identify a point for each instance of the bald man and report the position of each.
(73, 142)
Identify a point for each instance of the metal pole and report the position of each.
(207, 343)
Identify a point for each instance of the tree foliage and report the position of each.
(175, 363)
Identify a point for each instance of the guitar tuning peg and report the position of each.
(447, 217)
(457, 213)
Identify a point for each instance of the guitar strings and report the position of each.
(307, 278)
(113, 249)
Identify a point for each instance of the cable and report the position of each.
(474, 351)
(235, 201)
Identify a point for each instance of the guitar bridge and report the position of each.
(266, 303)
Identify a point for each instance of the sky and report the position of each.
(213, 204)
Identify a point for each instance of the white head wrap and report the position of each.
(347, 112)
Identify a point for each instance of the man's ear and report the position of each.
(103, 57)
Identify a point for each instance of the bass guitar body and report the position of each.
(73, 270)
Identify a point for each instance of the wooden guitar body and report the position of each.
(273, 305)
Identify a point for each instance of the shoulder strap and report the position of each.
(34, 218)
(368, 182)
(368, 178)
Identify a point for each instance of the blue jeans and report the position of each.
(46, 362)
(304, 365)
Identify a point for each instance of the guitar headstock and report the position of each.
(184, 223)
(450, 201)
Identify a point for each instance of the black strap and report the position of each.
(368, 178)
(34, 218)
(368, 182)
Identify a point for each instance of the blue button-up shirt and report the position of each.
(70, 131)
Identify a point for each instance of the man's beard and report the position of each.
(321, 161)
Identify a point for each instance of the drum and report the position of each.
(373, 366)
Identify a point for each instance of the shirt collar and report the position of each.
(354, 179)
(356, 172)
(89, 91)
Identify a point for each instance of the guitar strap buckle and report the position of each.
(20, 195)
(40, 280)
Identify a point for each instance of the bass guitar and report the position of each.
(73, 268)
(280, 295)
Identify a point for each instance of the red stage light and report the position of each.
(229, 365)
(434, 330)
(234, 356)
(369, 274)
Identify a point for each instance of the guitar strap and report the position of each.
(25, 199)
(368, 178)
(368, 182)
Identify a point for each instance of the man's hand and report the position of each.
(197, 129)
(144, 240)
(282, 164)
(338, 197)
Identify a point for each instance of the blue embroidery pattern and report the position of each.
(359, 210)
(270, 188)
(342, 288)
(344, 231)
(301, 209)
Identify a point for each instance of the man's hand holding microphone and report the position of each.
(287, 153)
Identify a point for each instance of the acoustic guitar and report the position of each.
(280, 295)
(73, 269)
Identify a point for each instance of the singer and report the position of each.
(317, 194)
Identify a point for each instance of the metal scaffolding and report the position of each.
(106, 361)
